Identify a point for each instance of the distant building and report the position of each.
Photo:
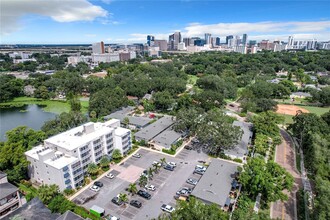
(63, 159)
(199, 42)
(324, 46)
(98, 48)
(244, 41)
(207, 38)
(10, 198)
(105, 58)
(187, 42)
(174, 40)
(266, 45)
(252, 43)
(181, 46)
(228, 38)
(150, 40)
(217, 41)
(162, 44)
(240, 49)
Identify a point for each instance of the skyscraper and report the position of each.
(150, 40)
(98, 48)
(290, 42)
(174, 40)
(217, 41)
(244, 41)
(207, 38)
(228, 38)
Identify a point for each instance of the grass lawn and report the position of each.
(317, 110)
(53, 106)
(287, 118)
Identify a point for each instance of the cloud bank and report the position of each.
(59, 10)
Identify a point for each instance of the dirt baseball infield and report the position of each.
(289, 109)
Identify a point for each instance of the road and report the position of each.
(285, 156)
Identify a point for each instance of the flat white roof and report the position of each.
(34, 152)
(77, 137)
(62, 161)
(121, 131)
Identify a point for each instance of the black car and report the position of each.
(117, 201)
(98, 183)
(168, 167)
(188, 147)
(136, 203)
(144, 194)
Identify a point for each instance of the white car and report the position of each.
(150, 187)
(94, 188)
(110, 175)
(137, 155)
(156, 162)
(167, 208)
(172, 164)
(200, 167)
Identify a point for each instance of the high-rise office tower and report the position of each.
(174, 40)
(187, 41)
(244, 41)
(228, 38)
(290, 42)
(217, 41)
(150, 40)
(98, 48)
(208, 38)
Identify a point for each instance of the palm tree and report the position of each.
(132, 188)
(92, 169)
(47, 192)
(123, 197)
(163, 161)
(143, 181)
(150, 172)
(156, 167)
(126, 121)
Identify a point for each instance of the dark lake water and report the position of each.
(29, 115)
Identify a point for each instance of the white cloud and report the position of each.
(90, 35)
(262, 29)
(58, 10)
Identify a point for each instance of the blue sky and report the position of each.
(127, 21)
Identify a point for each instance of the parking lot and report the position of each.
(167, 183)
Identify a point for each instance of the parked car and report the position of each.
(167, 208)
(111, 217)
(135, 203)
(150, 187)
(144, 194)
(182, 197)
(94, 188)
(172, 164)
(192, 181)
(200, 167)
(158, 163)
(168, 167)
(200, 172)
(98, 183)
(137, 155)
(184, 191)
(117, 201)
(110, 175)
(188, 147)
(144, 173)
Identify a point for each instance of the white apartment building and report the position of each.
(105, 58)
(63, 159)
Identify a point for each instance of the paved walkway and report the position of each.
(285, 156)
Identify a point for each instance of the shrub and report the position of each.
(68, 192)
(169, 151)
(238, 160)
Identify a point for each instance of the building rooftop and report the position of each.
(61, 160)
(36, 151)
(215, 185)
(304, 94)
(155, 128)
(35, 210)
(79, 136)
(133, 120)
(68, 215)
(7, 189)
(167, 138)
(121, 131)
(241, 148)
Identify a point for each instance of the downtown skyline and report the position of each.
(82, 21)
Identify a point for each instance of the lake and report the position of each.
(29, 115)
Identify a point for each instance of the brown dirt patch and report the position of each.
(289, 109)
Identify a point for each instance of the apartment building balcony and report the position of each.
(12, 202)
(66, 175)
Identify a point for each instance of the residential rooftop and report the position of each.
(167, 138)
(155, 128)
(124, 113)
(68, 215)
(241, 148)
(79, 136)
(121, 131)
(216, 183)
(61, 160)
(7, 189)
(2, 174)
